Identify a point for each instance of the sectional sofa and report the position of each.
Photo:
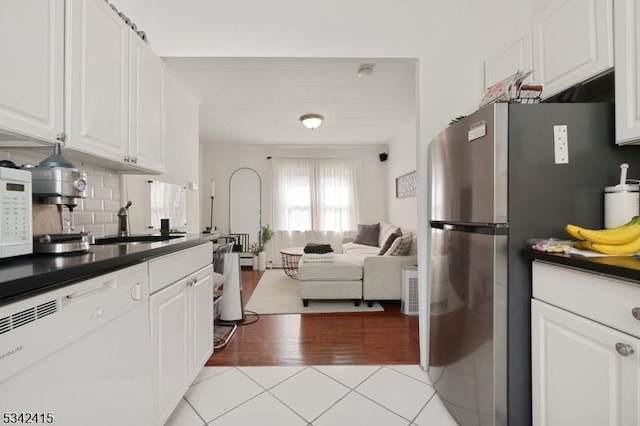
(369, 267)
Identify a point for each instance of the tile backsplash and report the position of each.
(97, 213)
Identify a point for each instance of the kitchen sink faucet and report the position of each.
(123, 220)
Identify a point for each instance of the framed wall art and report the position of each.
(406, 185)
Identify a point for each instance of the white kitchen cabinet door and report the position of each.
(580, 377)
(147, 135)
(627, 78)
(513, 56)
(201, 316)
(572, 42)
(31, 75)
(170, 346)
(97, 80)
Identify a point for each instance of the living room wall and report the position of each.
(220, 161)
(402, 160)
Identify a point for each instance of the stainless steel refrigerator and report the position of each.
(497, 178)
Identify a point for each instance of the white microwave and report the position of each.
(16, 232)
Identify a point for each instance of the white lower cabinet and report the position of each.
(170, 346)
(201, 317)
(181, 325)
(579, 377)
(585, 372)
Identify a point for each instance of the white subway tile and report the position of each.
(92, 205)
(111, 182)
(104, 217)
(112, 205)
(96, 230)
(102, 194)
(84, 218)
(111, 229)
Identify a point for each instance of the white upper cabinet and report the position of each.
(146, 136)
(97, 80)
(627, 78)
(31, 76)
(572, 41)
(512, 57)
(115, 106)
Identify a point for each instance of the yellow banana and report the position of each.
(619, 235)
(574, 231)
(614, 249)
(582, 245)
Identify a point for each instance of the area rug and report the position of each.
(276, 293)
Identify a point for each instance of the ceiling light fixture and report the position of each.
(311, 121)
(365, 70)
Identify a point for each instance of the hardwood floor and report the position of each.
(388, 337)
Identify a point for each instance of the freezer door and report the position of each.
(468, 169)
(467, 350)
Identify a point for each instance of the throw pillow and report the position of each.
(390, 239)
(400, 246)
(368, 235)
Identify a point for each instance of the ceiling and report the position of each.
(259, 101)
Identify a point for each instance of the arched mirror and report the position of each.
(245, 206)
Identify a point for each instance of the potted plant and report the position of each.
(265, 236)
(257, 249)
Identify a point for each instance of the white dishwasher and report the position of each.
(79, 355)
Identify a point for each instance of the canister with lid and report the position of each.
(621, 201)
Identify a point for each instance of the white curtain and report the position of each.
(314, 200)
(336, 195)
(292, 184)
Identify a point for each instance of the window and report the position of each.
(315, 194)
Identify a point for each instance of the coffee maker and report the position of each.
(57, 181)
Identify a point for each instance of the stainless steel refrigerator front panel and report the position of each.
(468, 324)
(468, 169)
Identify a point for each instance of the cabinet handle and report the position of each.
(62, 137)
(636, 313)
(136, 292)
(134, 160)
(624, 349)
(190, 282)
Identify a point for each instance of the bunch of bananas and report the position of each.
(621, 240)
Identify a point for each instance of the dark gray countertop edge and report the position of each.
(624, 267)
(28, 286)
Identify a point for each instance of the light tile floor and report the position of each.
(324, 395)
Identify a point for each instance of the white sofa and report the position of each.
(381, 274)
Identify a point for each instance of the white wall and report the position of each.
(220, 161)
(402, 160)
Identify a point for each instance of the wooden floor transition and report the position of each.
(367, 338)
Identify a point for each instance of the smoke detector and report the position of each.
(365, 70)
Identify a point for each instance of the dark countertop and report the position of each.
(623, 267)
(25, 276)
